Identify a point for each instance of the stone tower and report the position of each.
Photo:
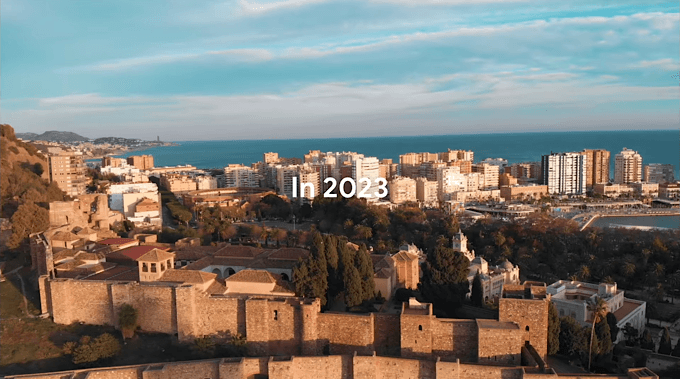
(459, 244)
(527, 305)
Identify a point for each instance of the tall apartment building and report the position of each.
(237, 175)
(426, 191)
(450, 180)
(142, 162)
(284, 179)
(457, 155)
(309, 174)
(402, 190)
(113, 162)
(564, 173)
(491, 174)
(314, 156)
(659, 173)
(67, 169)
(627, 167)
(388, 169)
(525, 170)
(270, 158)
(597, 166)
(368, 167)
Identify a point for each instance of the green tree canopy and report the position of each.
(477, 295)
(553, 330)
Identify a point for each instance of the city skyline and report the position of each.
(306, 69)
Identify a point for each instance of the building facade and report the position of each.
(564, 173)
(659, 173)
(597, 166)
(67, 169)
(627, 167)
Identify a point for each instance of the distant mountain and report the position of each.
(54, 136)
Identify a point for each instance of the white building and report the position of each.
(237, 175)
(449, 180)
(564, 173)
(490, 174)
(627, 167)
(571, 298)
(493, 277)
(369, 168)
(139, 202)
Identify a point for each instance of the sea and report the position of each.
(655, 146)
(665, 222)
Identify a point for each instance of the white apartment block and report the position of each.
(627, 167)
(564, 173)
(236, 175)
(369, 168)
(284, 179)
(491, 174)
(449, 180)
(426, 191)
(402, 189)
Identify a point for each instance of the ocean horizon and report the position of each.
(655, 146)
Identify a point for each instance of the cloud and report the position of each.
(235, 55)
(251, 7)
(664, 64)
(343, 108)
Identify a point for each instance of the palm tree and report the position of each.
(599, 310)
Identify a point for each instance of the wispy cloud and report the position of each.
(349, 104)
(664, 64)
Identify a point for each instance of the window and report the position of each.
(145, 268)
(276, 315)
(153, 267)
(162, 267)
(561, 312)
(420, 327)
(169, 264)
(527, 328)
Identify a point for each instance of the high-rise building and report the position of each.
(309, 174)
(450, 180)
(142, 162)
(67, 169)
(402, 190)
(270, 157)
(284, 180)
(659, 173)
(236, 175)
(627, 167)
(597, 166)
(388, 169)
(490, 172)
(369, 168)
(564, 173)
(426, 191)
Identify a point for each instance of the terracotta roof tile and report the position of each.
(252, 276)
(156, 255)
(135, 252)
(187, 276)
(238, 251)
(116, 241)
(289, 253)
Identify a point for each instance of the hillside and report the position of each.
(54, 136)
(24, 174)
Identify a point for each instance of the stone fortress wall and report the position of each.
(327, 367)
(296, 326)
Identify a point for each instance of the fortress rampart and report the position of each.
(284, 326)
(327, 367)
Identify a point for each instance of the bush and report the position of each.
(127, 319)
(88, 351)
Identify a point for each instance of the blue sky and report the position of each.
(193, 70)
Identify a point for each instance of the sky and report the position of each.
(201, 70)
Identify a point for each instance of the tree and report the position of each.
(364, 266)
(127, 319)
(676, 350)
(647, 342)
(665, 345)
(29, 218)
(573, 337)
(613, 327)
(598, 310)
(553, 329)
(353, 288)
(477, 295)
(88, 351)
(444, 281)
(632, 335)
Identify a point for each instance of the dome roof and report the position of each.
(507, 265)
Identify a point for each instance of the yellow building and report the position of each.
(67, 169)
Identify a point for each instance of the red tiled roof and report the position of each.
(289, 253)
(238, 251)
(253, 276)
(135, 252)
(156, 255)
(116, 241)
